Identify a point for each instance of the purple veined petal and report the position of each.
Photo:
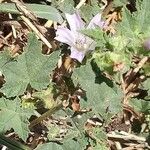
(75, 21)
(75, 54)
(79, 37)
(64, 35)
(96, 21)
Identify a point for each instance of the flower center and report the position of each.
(81, 45)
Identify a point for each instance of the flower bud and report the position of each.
(146, 44)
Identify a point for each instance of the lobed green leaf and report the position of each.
(13, 116)
(32, 67)
(100, 96)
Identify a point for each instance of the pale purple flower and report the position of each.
(96, 22)
(80, 44)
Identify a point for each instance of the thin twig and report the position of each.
(45, 115)
(8, 36)
(4, 147)
(134, 71)
(82, 2)
(130, 83)
(13, 28)
(31, 20)
(24, 10)
(134, 84)
(140, 64)
(136, 146)
(107, 8)
(126, 136)
(118, 145)
(37, 32)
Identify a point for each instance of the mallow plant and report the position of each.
(79, 44)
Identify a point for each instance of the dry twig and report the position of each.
(131, 74)
(33, 24)
(82, 2)
(37, 32)
(130, 82)
(126, 136)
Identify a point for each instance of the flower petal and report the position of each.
(91, 43)
(96, 21)
(65, 35)
(75, 21)
(77, 54)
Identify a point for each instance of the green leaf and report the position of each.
(96, 34)
(67, 145)
(32, 67)
(143, 16)
(93, 9)
(140, 105)
(4, 58)
(108, 60)
(78, 123)
(42, 11)
(99, 134)
(100, 96)
(128, 25)
(135, 26)
(76, 130)
(120, 2)
(13, 116)
(46, 97)
(118, 42)
(99, 139)
(49, 146)
(146, 68)
(131, 32)
(100, 147)
(66, 6)
(53, 131)
(145, 86)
